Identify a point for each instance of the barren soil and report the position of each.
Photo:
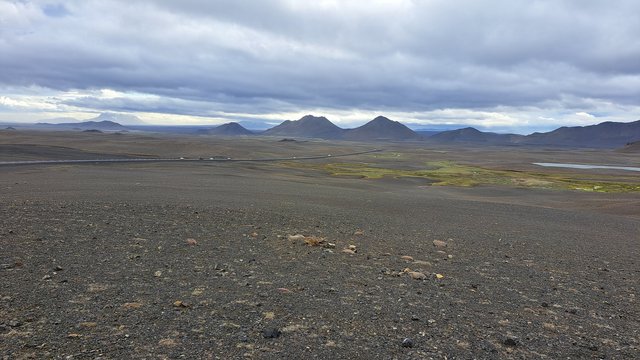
(194, 260)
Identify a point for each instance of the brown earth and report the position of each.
(193, 260)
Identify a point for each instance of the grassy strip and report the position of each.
(446, 173)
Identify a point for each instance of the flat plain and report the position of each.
(415, 252)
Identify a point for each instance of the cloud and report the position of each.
(218, 58)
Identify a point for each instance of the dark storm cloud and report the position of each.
(203, 57)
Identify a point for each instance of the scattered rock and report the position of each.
(406, 258)
(269, 315)
(88, 324)
(271, 333)
(254, 234)
(511, 341)
(439, 276)
(167, 342)
(358, 232)
(132, 305)
(157, 273)
(14, 323)
(180, 304)
(58, 268)
(295, 237)
(283, 290)
(74, 335)
(348, 251)
(314, 240)
(191, 242)
(329, 245)
(46, 277)
(439, 243)
(416, 275)
(407, 343)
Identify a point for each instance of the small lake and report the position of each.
(585, 166)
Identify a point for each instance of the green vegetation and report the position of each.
(446, 173)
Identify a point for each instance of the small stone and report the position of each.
(254, 234)
(191, 242)
(329, 245)
(132, 305)
(14, 323)
(545, 304)
(46, 277)
(180, 304)
(511, 341)
(407, 343)
(416, 275)
(58, 268)
(269, 315)
(406, 258)
(157, 273)
(415, 318)
(348, 251)
(271, 333)
(358, 232)
(167, 342)
(88, 324)
(439, 276)
(295, 237)
(439, 243)
(353, 248)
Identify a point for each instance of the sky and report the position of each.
(498, 65)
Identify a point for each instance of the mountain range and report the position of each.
(604, 135)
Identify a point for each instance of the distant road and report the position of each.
(205, 159)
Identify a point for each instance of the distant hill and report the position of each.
(308, 126)
(126, 119)
(472, 135)
(85, 125)
(381, 128)
(229, 129)
(604, 135)
(427, 133)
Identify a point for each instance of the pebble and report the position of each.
(46, 277)
(439, 243)
(348, 251)
(58, 268)
(271, 333)
(295, 237)
(407, 258)
(511, 341)
(417, 275)
(407, 343)
(191, 242)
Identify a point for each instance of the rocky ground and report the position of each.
(243, 261)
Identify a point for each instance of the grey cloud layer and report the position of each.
(273, 55)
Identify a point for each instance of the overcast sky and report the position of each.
(498, 65)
